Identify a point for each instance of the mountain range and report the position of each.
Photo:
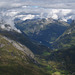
(44, 31)
(37, 37)
(37, 46)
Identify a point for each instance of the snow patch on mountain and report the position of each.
(25, 17)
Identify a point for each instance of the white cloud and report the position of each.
(29, 9)
(54, 16)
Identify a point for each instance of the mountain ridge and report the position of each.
(38, 29)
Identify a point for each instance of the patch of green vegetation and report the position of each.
(46, 53)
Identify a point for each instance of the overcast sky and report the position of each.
(67, 4)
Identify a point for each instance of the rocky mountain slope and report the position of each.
(24, 40)
(44, 31)
(64, 52)
(67, 39)
(17, 59)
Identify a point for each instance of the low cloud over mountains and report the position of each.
(30, 9)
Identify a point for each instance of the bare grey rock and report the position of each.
(19, 46)
(1, 45)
